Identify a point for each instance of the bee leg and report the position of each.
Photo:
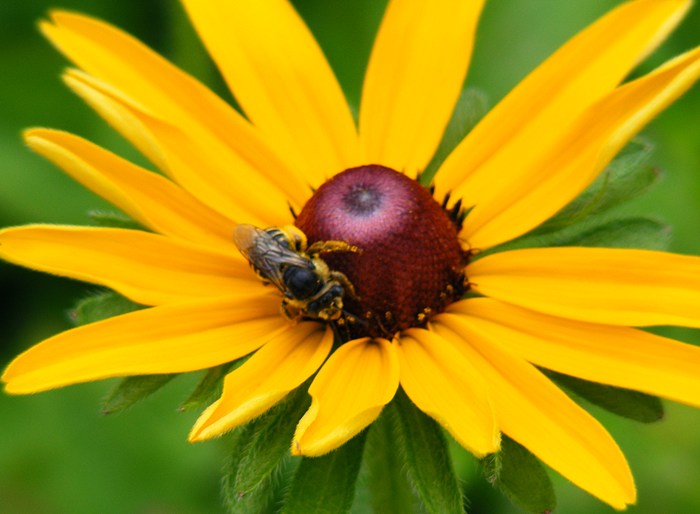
(295, 237)
(347, 285)
(381, 326)
(331, 246)
(344, 323)
(289, 311)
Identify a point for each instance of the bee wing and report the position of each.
(245, 237)
(267, 256)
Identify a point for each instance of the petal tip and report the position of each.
(35, 137)
(295, 449)
(46, 27)
(196, 436)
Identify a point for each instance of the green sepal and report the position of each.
(209, 388)
(327, 483)
(642, 233)
(389, 489)
(131, 390)
(521, 477)
(114, 220)
(628, 176)
(258, 453)
(471, 107)
(423, 449)
(100, 306)
(636, 232)
(629, 404)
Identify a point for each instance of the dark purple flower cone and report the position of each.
(411, 264)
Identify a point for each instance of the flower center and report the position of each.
(410, 265)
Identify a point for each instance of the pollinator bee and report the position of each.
(280, 256)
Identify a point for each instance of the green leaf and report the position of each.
(258, 453)
(210, 387)
(471, 107)
(633, 405)
(114, 220)
(390, 491)
(520, 475)
(643, 233)
(327, 484)
(101, 306)
(423, 448)
(627, 177)
(132, 390)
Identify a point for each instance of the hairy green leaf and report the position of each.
(103, 305)
(257, 457)
(208, 388)
(629, 404)
(626, 177)
(132, 390)
(642, 233)
(326, 484)
(637, 232)
(423, 448)
(389, 489)
(114, 220)
(520, 475)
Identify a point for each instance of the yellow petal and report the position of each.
(583, 153)
(148, 268)
(414, 77)
(521, 130)
(166, 339)
(283, 364)
(599, 285)
(203, 167)
(168, 93)
(618, 356)
(534, 412)
(281, 79)
(147, 197)
(447, 387)
(347, 395)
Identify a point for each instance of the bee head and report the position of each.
(302, 282)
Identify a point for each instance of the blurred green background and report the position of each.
(59, 455)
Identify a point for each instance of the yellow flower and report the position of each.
(473, 364)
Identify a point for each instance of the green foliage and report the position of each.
(208, 388)
(520, 476)
(114, 220)
(628, 176)
(100, 306)
(633, 405)
(642, 233)
(389, 489)
(131, 390)
(326, 484)
(587, 220)
(422, 448)
(257, 456)
(637, 232)
(471, 107)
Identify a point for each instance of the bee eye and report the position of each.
(302, 282)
